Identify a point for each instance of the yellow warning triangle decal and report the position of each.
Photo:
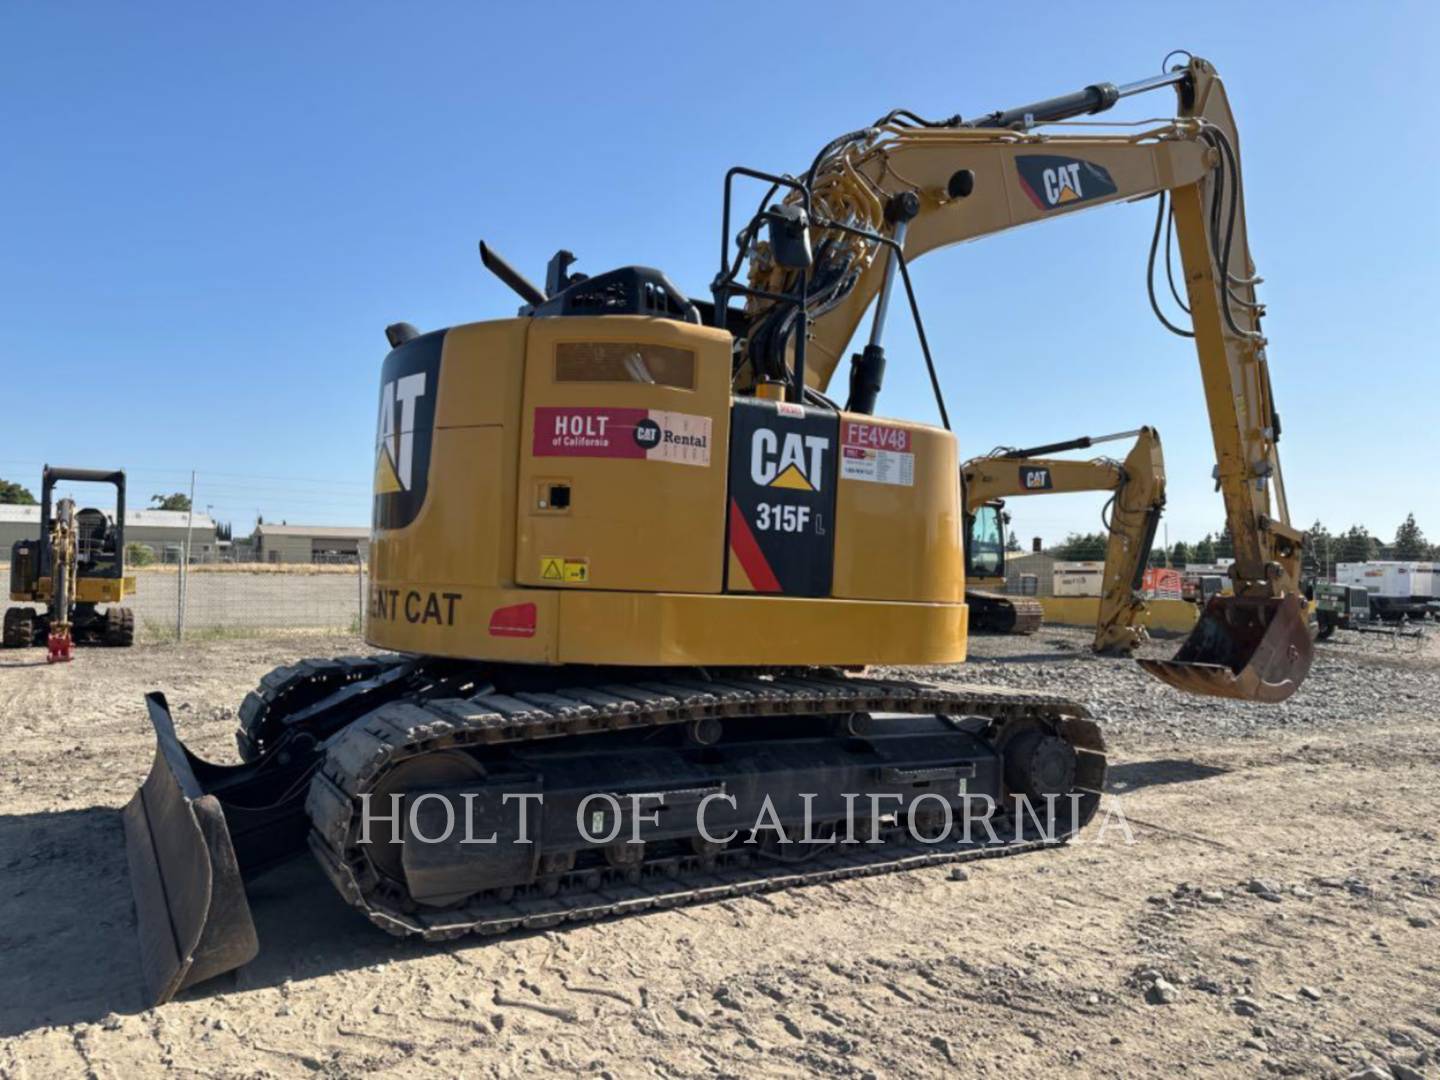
(552, 569)
(386, 482)
(792, 478)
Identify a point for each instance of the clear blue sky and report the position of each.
(211, 212)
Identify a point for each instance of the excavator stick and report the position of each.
(194, 920)
(1242, 647)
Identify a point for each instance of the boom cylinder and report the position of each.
(867, 370)
(1095, 98)
(1082, 443)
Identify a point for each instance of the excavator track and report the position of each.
(1001, 613)
(286, 690)
(358, 759)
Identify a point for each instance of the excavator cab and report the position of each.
(985, 552)
(992, 610)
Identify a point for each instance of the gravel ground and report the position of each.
(1340, 691)
(1277, 913)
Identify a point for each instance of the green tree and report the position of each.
(14, 494)
(139, 555)
(1080, 547)
(224, 531)
(1225, 543)
(1318, 553)
(1205, 550)
(1158, 556)
(178, 501)
(1180, 554)
(1012, 542)
(1410, 541)
(1355, 545)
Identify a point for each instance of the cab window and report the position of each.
(987, 544)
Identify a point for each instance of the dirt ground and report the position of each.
(1105, 958)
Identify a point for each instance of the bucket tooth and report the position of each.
(1253, 649)
(193, 918)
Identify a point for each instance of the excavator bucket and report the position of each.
(194, 920)
(1246, 648)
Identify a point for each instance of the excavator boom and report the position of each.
(921, 185)
(1131, 517)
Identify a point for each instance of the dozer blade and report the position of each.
(1251, 649)
(194, 919)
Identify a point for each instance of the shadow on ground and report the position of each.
(67, 920)
(67, 925)
(1134, 775)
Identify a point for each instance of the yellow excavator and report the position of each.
(633, 563)
(75, 565)
(1131, 517)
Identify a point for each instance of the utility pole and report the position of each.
(360, 590)
(185, 563)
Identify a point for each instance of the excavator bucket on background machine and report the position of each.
(1242, 647)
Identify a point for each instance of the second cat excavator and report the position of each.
(1131, 517)
(631, 563)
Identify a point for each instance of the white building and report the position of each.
(162, 531)
(309, 543)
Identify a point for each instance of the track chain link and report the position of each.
(287, 689)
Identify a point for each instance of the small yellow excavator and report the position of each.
(633, 561)
(75, 570)
(1131, 517)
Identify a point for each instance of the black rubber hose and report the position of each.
(1169, 271)
(1150, 273)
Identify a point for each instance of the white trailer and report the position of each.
(1396, 588)
(1079, 578)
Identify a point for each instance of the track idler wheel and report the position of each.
(423, 773)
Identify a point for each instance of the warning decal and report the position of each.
(653, 434)
(560, 571)
(876, 453)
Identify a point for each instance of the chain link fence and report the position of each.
(238, 599)
(227, 599)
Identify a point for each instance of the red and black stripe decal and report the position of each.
(747, 551)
